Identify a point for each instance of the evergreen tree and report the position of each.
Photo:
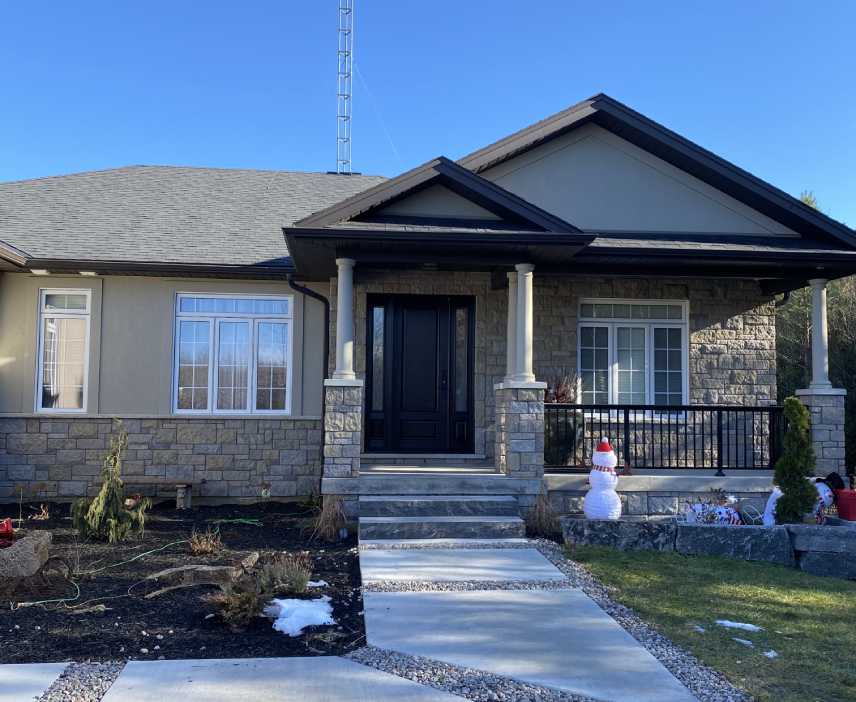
(795, 466)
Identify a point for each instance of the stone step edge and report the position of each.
(445, 543)
(437, 498)
(443, 519)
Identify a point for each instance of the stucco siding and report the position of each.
(131, 341)
(598, 181)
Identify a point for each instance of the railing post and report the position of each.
(719, 458)
(625, 442)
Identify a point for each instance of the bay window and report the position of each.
(63, 360)
(633, 352)
(232, 354)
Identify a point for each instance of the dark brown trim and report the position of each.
(673, 148)
(522, 238)
(160, 268)
(442, 171)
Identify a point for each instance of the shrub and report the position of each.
(541, 519)
(330, 520)
(106, 517)
(795, 466)
(286, 571)
(240, 602)
(206, 542)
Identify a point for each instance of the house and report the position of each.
(280, 333)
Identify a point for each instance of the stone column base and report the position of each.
(826, 406)
(343, 428)
(520, 429)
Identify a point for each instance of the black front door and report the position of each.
(419, 392)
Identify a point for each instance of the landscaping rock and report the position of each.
(623, 535)
(748, 543)
(823, 538)
(26, 556)
(834, 565)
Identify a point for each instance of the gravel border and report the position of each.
(464, 585)
(706, 684)
(468, 683)
(83, 682)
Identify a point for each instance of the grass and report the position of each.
(809, 621)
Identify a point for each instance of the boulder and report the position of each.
(748, 543)
(623, 535)
(26, 556)
(834, 565)
(823, 538)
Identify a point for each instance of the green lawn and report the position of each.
(809, 621)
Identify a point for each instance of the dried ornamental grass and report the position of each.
(286, 571)
(206, 542)
(330, 520)
(541, 519)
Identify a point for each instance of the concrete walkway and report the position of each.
(26, 681)
(556, 638)
(319, 679)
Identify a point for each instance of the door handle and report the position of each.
(444, 380)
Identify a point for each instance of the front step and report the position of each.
(443, 527)
(438, 506)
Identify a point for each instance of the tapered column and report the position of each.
(819, 336)
(524, 372)
(511, 329)
(345, 320)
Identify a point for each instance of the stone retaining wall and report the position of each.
(60, 457)
(828, 550)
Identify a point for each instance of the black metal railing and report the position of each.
(664, 436)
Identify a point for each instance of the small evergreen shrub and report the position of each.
(795, 466)
(106, 517)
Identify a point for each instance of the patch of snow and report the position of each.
(292, 616)
(728, 624)
(317, 583)
(699, 629)
(771, 654)
(744, 642)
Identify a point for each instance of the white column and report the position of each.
(511, 329)
(819, 336)
(345, 320)
(524, 323)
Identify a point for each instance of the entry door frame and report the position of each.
(382, 425)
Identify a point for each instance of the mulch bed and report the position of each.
(61, 632)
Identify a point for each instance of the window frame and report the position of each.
(85, 315)
(649, 325)
(214, 319)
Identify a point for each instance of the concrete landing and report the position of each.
(317, 679)
(22, 682)
(558, 639)
(448, 565)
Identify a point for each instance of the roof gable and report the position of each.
(672, 148)
(471, 201)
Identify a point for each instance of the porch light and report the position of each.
(39, 271)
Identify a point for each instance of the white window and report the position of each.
(633, 352)
(232, 354)
(63, 361)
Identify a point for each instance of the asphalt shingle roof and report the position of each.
(166, 213)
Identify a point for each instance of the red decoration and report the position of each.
(846, 501)
(6, 530)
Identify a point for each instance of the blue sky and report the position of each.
(768, 85)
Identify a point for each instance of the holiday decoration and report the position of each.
(602, 502)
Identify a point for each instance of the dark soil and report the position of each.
(61, 631)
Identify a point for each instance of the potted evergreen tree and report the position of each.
(795, 466)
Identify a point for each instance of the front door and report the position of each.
(419, 371)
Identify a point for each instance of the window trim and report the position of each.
(213, 319)
(86, 315)
(649, 325)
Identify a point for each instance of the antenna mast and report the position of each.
(343, 86)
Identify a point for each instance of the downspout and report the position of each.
(326, 367)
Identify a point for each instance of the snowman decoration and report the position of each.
(602, 501)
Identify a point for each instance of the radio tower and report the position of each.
(343, 86)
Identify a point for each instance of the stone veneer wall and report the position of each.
(732, 354)
(827, 428)
(520, 431)
(343, 424)
(60, 457)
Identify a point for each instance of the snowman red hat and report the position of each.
(604, 457)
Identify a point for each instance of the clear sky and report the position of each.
(767, 84)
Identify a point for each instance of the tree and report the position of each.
(795, 466)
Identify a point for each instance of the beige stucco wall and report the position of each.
(131, 341)
(437, 201)
(596, 180)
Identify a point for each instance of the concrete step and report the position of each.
(431, 484)
(438, 506)
(482, 527)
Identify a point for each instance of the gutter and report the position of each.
(326, 303)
